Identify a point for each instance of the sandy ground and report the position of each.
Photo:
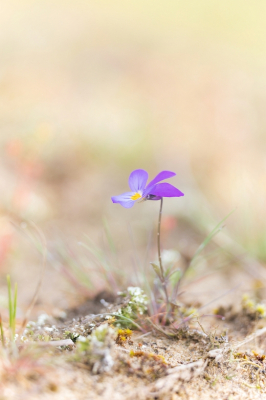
(196, 362)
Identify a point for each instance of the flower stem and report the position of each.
(163, 280)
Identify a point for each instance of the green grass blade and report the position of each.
(2, 332)
(15, 308)
(217, 229)
(10, 306)
(109, 236)
(128, 319)
(93, 249)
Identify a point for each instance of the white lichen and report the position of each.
(48, 329)
(95, 349)
(42, 319)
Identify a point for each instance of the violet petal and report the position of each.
(124, 199)
(160, 177)
(127, 204)
(137, 180)
(165, 190)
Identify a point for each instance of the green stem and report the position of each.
(159, 252)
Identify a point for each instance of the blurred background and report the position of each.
(89, 91)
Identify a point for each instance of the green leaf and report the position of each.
(177, 270)
(156, 269)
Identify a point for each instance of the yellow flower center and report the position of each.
(135, 196)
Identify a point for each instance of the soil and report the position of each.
(195, 362)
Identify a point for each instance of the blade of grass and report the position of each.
(122, 317)
(81, 275)
(2, 332)
(75, 267)
(42, 248)
(15, 308)
(130, 320)
(83, 290)
(202, 246)
(109, 236)
(167, 334)
(206, 241)
(135, 257)
(10, 306)
(98, 254)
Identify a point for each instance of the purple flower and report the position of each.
(153, 191)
